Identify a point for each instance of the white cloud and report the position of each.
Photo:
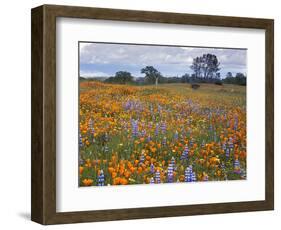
(169, 59)
(133, 54)
(83, 45)
(93, 74)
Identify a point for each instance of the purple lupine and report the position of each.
(101, 178)
(135, 128)
(193, 177)
(130, 105)
(164, 141)
(127, 105)
(230, 143)
(148, 139)
(191, 168)
(227, 152)
(156, 129)
(142, 158)
(143, 132)
(184, 155)
(188, 174)
(173, 162)
(191, 143)
(133, 105)
(157, 177)
(151, 180)
(163, 127)
(223, 166)
(91, 126)
(152, 168)
(150, 125)
(170, 174)
(237, 166)
(223, 147)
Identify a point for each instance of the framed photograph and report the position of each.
(140, 114)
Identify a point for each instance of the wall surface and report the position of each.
(15, 113)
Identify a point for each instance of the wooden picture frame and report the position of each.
(43, 207)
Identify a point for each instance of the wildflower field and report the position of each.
(165, 134)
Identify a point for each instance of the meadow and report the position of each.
(165, 134)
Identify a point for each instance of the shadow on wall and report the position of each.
(25, 215)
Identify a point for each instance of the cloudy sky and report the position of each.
(105, 59)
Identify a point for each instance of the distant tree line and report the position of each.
(121, 77)
(239, 79)
(205, 70)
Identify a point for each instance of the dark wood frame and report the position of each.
(43, 188)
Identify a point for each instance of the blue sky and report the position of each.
(105, 59)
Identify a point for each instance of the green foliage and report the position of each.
(121, 77)
(152, 75)
(206, 66)
(239, 79)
